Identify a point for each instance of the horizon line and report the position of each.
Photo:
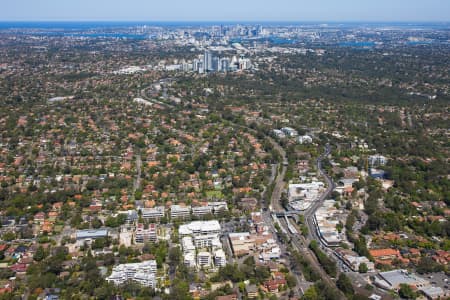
(225, 21)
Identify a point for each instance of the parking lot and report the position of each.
(438, 279)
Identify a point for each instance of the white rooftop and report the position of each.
(199, 227)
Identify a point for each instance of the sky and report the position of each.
(226, 10)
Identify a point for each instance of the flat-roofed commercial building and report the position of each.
(435, 292)
(242, 243)
(91, 234)
(302, 195)
(393, 279)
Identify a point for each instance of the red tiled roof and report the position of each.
(383, 252)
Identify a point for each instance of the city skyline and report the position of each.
(204, 11)
(224, 150)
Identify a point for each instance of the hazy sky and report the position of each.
(226, 10)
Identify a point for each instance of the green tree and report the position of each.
(175, 256)
(76, 220)
(180, 290)
(6, 273)
(406, 292)
(96, 223)
(328, 264)
(428, 265)
(249, 261)
(9, 236)
(363, 268)
(311, 294)
(345, 285)
(291, 281)
(106, 291)
(40, 254)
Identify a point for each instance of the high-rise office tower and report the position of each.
(224, 64)
(207, 63)
(215, 64)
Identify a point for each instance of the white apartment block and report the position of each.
(199, 211)
(187, 244)
(218, 206)
(220, 259)
(144, 235)
(209, 240)
(197, 228)
(142, 273)
(178, 211)
(198, 236)
(189, 260)
(204, 259)
(145, 279)
(156, 212)
(188, 252)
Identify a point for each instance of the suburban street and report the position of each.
(279, 180)
(137, 181)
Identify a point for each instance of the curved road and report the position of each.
(298, 241)
(143, 92)
(309, 214)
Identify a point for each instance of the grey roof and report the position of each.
(433, 291)
(92, 233)
(251, 288)
(397, 277)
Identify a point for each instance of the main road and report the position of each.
(298, 241)
(309, 214)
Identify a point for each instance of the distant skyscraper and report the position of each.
(215, 64)
(245, 64)
(201, 67)
(224, 64)
(195, 65)
(207, 63)
(260, 30)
